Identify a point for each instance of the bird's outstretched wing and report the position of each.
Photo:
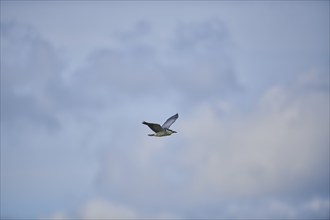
(170, 121)
(155, 127)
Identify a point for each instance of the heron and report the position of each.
(163, 130)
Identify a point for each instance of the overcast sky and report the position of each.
(249, 79)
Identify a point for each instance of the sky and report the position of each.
(249, 80)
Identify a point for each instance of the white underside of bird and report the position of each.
(162, 133)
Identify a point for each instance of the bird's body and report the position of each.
(163, 130)
(162, 133)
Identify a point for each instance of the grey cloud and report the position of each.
(38, 130)
(136, 34)
(116, 72)
(206, 36)
(202, 62)
(217, 166)
(29, 65)
(195, 65)
(33, 86)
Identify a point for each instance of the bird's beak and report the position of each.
(174, 132)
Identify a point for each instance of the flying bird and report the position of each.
(163, 130)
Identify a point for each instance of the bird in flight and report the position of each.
(163, 130)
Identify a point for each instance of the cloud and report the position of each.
(41, 138)
(194, 71)
(199, 62)
(243, 156)
(100, 94)
(29, 67)
(95, 160)
(276, 155)
(279, 151)
(278, 208)
(102, 209)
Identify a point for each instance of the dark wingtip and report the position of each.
(144, 122)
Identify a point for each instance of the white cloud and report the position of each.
(277, 208)
(286, 138)
(221, 160)
(102, 209)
